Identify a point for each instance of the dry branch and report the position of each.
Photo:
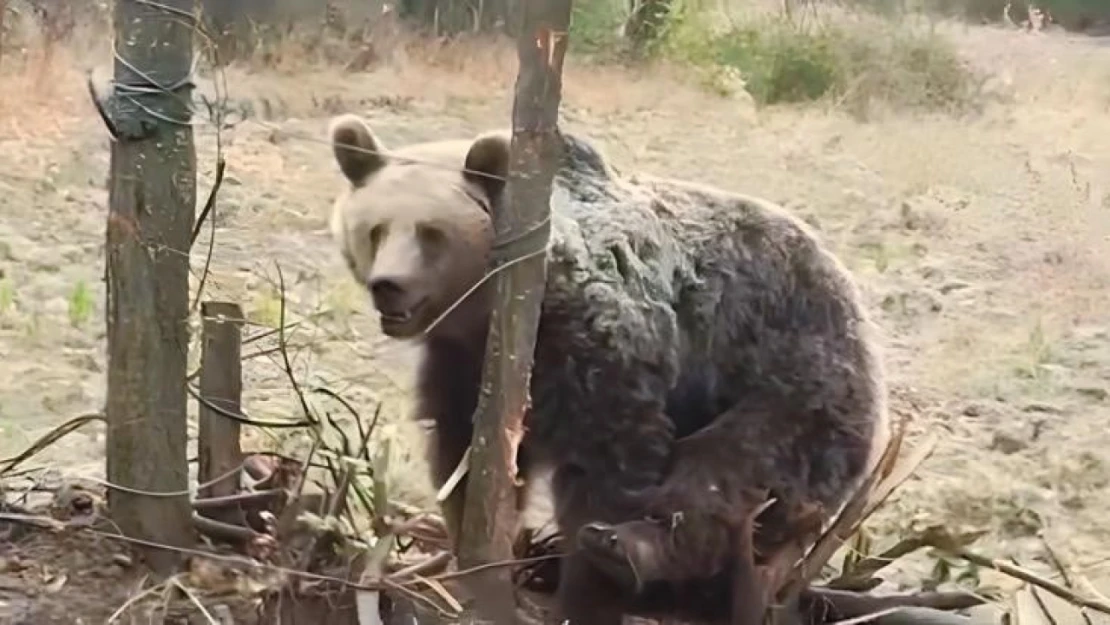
(152, 199)
(490, 511)
(1031, 578)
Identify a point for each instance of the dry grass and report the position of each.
(982, 243)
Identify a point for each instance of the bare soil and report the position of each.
(982, 245)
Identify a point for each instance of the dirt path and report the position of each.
(983, 247)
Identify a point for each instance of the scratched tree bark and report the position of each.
(151, 204)
(490, 510)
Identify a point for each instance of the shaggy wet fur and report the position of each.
(672, 311)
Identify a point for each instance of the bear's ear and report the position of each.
(487, 163)
(363, 157)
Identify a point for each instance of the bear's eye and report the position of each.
(376, 234)
(431, 238)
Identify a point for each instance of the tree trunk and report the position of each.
(152, 196)
(490, 512)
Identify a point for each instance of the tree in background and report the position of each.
(646, 21)
(452, 17)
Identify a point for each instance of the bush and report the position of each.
(595, 27)
(1071, 14)
(856, 62)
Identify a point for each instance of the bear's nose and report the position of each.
(388, 293)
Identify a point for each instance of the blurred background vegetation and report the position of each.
(777, 51)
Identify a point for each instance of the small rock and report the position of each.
(56, 306)
(973, 410)
(89, 363)
(123, 560)
(1074, 501)
(1054, 369)
(1038, 429)
(73, 255)
(1042, 407)
(1096, 393)
(955, 285)
(930, 272)
(1007, 443)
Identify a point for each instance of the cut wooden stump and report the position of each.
(221, 385)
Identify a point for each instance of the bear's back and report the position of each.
(746, 290)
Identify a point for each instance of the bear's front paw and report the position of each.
(632, 554)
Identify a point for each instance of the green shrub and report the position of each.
(594, 27)
(855, 63)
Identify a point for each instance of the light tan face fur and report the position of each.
(416, 233)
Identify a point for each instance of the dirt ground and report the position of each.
(982, 245)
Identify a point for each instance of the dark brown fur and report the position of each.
(672, 311)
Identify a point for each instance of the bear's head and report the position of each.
(415, 225)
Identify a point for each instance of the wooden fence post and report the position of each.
(490, 511)
(152, 200)
(221, 386)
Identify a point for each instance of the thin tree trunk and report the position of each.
(489, 518)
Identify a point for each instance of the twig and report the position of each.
(1029, 577)
(262, 496)
(209, 205)
(195, 600)
(851, 604)
(308, 415)
(908, 616)
(865, 618)
(884, 479)
(1045, 612)
(132, 600)
(48, 439)
(1063, 571)
(430, 566)
(34, 520)
(243, 418)
(442, 577)
(335, 508)
(224, 531)
(864, 570)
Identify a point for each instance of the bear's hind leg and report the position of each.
(749, 594)
(585, 595)
(806, 460)
(737, 595)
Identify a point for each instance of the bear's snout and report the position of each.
(399, 303)
(391, 295)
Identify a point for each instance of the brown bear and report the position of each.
(693, 345)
